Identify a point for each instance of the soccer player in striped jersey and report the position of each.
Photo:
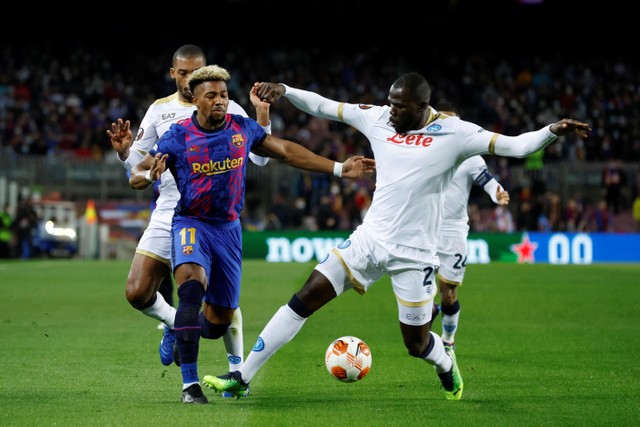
(454, 229)
(417, 152)
(207, 154)
(151, 265)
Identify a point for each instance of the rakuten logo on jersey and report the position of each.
(214, 168)
(411, 139)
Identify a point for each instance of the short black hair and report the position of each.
(188, 51)
(416, 85)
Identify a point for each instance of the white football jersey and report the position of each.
(414, 170)
(455, 215)
(159, 117)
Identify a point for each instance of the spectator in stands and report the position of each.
(280, 213)
(503, 219)
(600, 220)
(33, 107)
(6, 234)
(636, 211)
(573, 217)
(326, 217)
(25, 225)
(613, 179)
(533, 165)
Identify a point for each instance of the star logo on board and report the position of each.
(525, 250)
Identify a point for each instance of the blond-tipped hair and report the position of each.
(210, 73)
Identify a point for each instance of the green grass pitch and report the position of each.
(537, 345)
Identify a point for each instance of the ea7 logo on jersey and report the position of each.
(237, 140)
(168, 116)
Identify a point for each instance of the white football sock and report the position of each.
(449, 326)
(283, 326)
(162, 311)
(234, 342)
(438, 357)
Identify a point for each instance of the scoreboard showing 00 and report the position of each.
(577, 251)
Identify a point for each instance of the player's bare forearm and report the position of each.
(137, 180)
(300, 157)
(147, 171)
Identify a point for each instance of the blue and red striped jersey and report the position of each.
(210, 166)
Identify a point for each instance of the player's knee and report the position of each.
(448, 294)
(138, 298)
(299, 307)
(210, 330)
(450, 308)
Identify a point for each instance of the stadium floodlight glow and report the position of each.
(51, 229)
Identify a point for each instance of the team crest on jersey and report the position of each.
(237, 140)
(345, 244)
(365, 106)
(187, 250)
(434, 128)
(140, 134)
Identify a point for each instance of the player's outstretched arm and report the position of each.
(301, 157)
(307, 101)
(526, 143)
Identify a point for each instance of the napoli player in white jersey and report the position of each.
(151, 262)
(454, 230)
(416, 153)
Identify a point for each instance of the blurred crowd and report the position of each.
(59, 102)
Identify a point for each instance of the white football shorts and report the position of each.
(156, 239)
(361, 260)
(452, 252)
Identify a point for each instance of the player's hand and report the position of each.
(158, 165)
(357, 166)
(569, 126)
(269, 92)
(121, 137)
(502, 196)
(256, 100)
